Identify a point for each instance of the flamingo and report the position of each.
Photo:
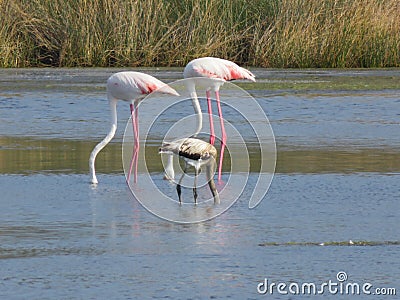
(196, 153)
(133, 87)
(221, 70)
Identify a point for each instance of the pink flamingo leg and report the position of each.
(223, 141)
(134, 142)
(137, 143)
(135, 152)
(212, 136)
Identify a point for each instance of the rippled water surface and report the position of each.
(333, 204)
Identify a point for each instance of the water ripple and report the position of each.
(333, 243)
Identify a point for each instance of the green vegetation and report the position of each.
(264, 33)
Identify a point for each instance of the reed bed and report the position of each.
(264, 33)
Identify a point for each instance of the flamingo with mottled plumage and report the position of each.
(196, 153)
(132, 87)
(221, 70)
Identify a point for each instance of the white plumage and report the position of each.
(213, 67)
(220, 70)
(132, 87)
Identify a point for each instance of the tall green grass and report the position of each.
(265, 33)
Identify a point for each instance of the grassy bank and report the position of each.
(264, 33)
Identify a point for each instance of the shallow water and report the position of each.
(332, 205)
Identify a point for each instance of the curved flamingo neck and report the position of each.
(197, 109)
(105, 141)
(169, 168)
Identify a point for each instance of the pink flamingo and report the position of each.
(221, 70)
(132, 87)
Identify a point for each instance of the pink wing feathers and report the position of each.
(148, 84)
(213, 67)
(133, 85)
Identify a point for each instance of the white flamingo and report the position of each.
(221, 70)
(131, 87)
